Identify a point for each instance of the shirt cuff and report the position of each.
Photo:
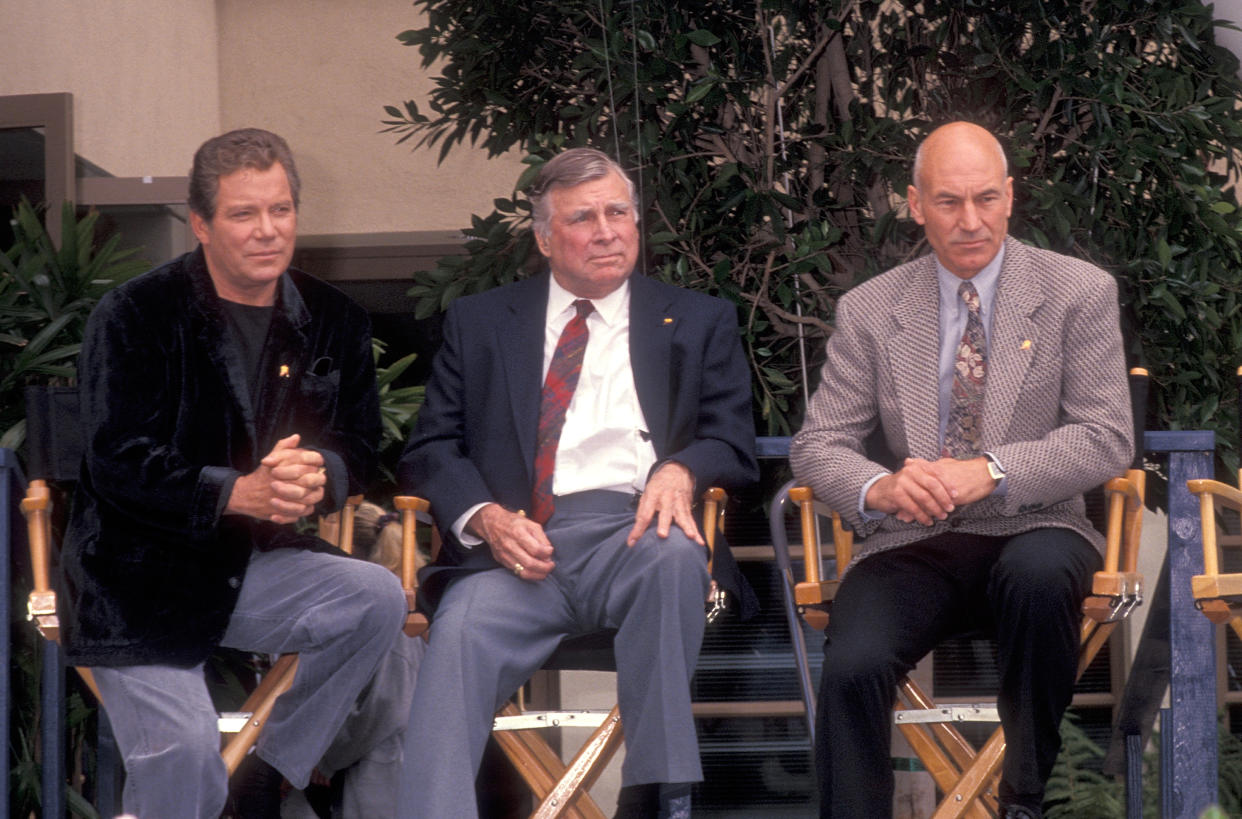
(863, 511)
(1002, 488)
(466, 539)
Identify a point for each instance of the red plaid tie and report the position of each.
(965, 428)
(558, 391)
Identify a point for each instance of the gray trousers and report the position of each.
(341, 615)
(369, 745)
(492, 630)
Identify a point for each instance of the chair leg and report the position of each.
(585, 768)
(971, 786)
(950, 759)
(259, 704)
(561, 789)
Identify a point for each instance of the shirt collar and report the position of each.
(610, 308)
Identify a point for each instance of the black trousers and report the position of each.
(895, 606)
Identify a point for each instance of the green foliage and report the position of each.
(1229, 767)
(771, 142)
(1076, 789)
(398, 407)
(46, 294)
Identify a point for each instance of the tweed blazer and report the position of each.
(1056, 408)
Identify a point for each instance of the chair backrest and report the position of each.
(54, 444)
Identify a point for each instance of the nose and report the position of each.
(970, 220)
(604, 230)
(265, 227)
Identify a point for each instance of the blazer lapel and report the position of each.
(519, 341)
(1014, 338)
(285, 358)
(213, 337)
(914, 362)
(651, 336)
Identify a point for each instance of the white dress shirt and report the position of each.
(605, 443)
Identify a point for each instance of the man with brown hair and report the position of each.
(225, 397)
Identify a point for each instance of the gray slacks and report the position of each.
(492, 630)
(341, 615)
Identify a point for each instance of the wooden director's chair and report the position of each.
(560, 789)
(56, 451)
(966, 776)
(1218, 594)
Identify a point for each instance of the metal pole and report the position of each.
(1192, 641)
(10, 478)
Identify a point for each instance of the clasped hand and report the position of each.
(286, 486)
(927, 491)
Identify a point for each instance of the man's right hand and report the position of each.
(918, 491)
(517, 542)
(286, 486)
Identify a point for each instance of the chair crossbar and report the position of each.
(967, 712)
(549, 719)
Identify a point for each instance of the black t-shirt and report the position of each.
(248, 326)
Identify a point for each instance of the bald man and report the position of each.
(993, 372)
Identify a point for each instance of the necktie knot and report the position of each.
(969, 295)
(584, 307)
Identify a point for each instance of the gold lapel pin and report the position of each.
(1026, 344)
(284, 370)
(668, 320)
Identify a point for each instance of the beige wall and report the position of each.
(152, 79)
(320, 72)
(143, 74)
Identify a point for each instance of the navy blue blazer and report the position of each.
(475, 437)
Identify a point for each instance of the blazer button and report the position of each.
(235, 582)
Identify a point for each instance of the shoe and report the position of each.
(654, 801)
(1020, 812)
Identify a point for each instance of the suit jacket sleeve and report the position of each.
(827, 453)
(435, 463)
(1093, 439)
(132, 458)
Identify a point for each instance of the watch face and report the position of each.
(995, 471)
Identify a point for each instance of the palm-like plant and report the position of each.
(46, 294)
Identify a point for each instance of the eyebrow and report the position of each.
(620, 203)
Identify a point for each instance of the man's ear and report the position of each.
(545, 247)
(916, 207)
(200, 227)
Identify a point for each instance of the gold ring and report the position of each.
(517, 569)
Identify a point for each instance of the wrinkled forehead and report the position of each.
(606, 192)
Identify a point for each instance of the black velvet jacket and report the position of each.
(151, 568)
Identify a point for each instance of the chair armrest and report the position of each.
(410, 507)
(1210, 492)
(816, 590)
(713, 521)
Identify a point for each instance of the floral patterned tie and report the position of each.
(558, 391)
(965, 427)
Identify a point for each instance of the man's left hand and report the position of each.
(669, 499)
(969, 479)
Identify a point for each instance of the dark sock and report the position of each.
(638, 801)
(674, 800)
